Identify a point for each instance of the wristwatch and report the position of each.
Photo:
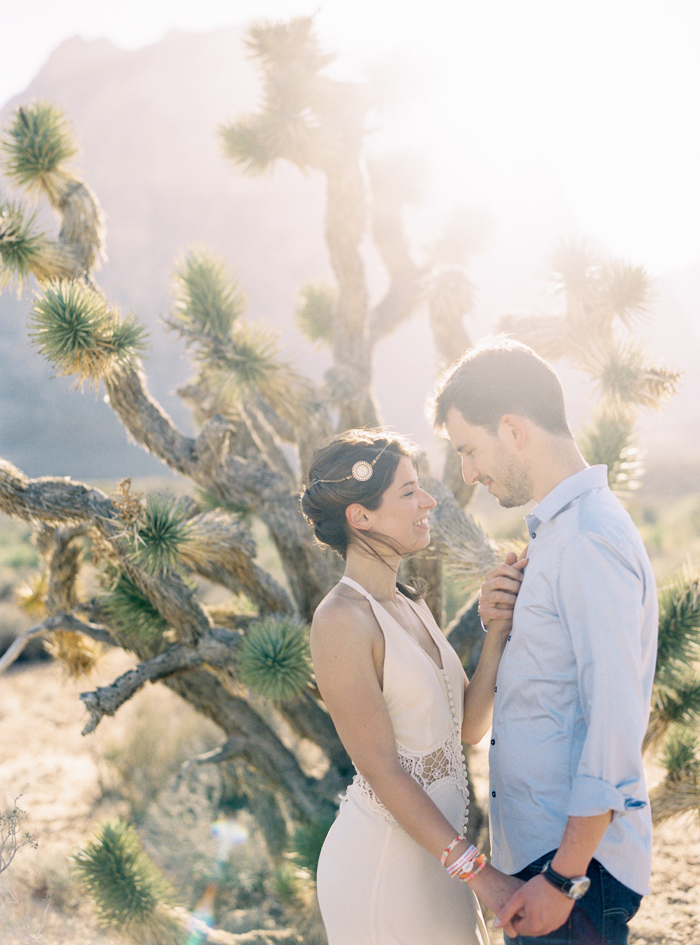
(574, 887)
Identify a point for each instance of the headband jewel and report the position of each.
(361, 470)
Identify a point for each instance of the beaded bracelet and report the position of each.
(450, 847)
(475, 867)
(464, 862)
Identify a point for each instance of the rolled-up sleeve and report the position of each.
(601, 601)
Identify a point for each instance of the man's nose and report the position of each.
(469, 473)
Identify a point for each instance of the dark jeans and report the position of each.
(599, 918)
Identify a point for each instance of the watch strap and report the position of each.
(572, 886)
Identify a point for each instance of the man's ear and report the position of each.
(513, 430)
(357, 517)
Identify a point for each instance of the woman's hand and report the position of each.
(499, 591)
(494, 888)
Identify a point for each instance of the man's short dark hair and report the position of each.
(497, 377)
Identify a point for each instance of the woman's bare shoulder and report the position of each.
(342, 605)
(344, 610)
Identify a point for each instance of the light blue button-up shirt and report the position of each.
(574, 685)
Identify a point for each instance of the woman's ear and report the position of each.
(357, 517)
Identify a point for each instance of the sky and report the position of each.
(599, 97)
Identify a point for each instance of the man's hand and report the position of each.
(537, 908)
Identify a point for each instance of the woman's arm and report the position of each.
(496, 603)
(345, 641)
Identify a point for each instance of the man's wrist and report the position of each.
(573, 887)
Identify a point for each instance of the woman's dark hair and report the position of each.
(332, 488)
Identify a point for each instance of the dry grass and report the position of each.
(69, 788)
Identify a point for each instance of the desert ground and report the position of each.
(60, 775)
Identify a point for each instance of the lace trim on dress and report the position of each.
(445, 763)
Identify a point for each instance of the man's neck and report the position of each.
(559, 459)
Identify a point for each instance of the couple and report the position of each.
(568, 689)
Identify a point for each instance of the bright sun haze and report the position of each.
(597, 99)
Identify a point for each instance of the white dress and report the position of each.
(377, 886)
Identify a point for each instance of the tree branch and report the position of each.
(456, 535)
(216, 649)
(146, 420)
(61, 500)
(51, 624)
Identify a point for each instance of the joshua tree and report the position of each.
(245, 666)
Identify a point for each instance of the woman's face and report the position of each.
(402, 516)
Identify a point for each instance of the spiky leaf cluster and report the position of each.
(681, 758)
(163, 530)
(598, 290)
(236, 357)
(610, 440)
(679, 621)
(77, 653)
(21, 248)
(293, 45)
(274, 659)
(627, 379)
(248, 360)
(206, 301)
(676, 693)
(130, 894)
(287, 125)
(132, 614)
(78, 333)
(38, 144)
(307, 841)
(315, 308)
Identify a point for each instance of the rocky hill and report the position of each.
(147, 126)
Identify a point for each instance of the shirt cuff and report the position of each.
(592, 796)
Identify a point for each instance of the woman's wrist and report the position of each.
(462, 860)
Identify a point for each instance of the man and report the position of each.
(569, 810)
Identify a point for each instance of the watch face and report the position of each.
(579, 887)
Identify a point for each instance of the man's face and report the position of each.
(489, 459)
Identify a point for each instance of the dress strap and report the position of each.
(357, 587)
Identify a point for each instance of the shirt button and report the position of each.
(493, 741)
(495, 688)
(493, 793)
(533, 534)
(509, 636)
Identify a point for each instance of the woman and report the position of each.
(402, 705)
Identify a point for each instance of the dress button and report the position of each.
(493, 741)
(509, 636)
(495, 688)
(493, 793)
(533, 534)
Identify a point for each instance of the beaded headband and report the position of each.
(361, 470)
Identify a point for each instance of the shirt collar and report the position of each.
(593, 477)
